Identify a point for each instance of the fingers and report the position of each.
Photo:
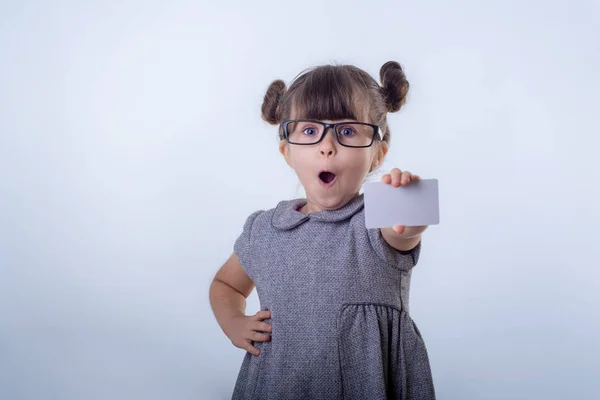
(262, 326)
(259, 327)
(397, 178)
(259, 316)
(255, 337)
(259, 337)
(251, 349)
(405, 178)
(392, 178)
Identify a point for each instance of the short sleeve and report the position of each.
(400, 259)
(243, 246)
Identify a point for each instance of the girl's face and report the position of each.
(331, 174)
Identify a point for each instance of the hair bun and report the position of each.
(271, 101)
(394, 85)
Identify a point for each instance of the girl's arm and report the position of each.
(228, 292)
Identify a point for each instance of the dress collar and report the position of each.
(287, 217)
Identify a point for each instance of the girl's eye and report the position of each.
(310, 131)
(346, 131)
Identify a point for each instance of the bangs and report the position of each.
(330, 94)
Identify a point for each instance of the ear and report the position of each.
(379, 156)
(285, 151)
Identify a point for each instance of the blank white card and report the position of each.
(416, 204)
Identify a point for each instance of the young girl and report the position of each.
(334, 320)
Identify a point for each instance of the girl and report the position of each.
(334, 320)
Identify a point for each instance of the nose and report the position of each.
(327, 145)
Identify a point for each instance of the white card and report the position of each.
(416, 204)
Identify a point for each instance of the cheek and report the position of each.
(299, 161)
(359, 162)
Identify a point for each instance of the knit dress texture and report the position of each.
(338, 296)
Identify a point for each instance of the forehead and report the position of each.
(358, 112)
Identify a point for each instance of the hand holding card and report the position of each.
(401, 199)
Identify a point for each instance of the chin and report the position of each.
(328, 201)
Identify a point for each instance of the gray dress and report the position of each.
(338, 296)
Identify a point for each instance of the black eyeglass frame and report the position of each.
(376, 131)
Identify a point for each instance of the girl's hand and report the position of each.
(244, 330)
(398, 178)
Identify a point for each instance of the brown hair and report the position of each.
(338, 92)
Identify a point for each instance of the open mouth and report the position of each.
(327, 177)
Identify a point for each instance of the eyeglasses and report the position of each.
(348, 134)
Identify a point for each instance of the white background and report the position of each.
(132, 151)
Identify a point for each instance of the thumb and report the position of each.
(399, 229)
